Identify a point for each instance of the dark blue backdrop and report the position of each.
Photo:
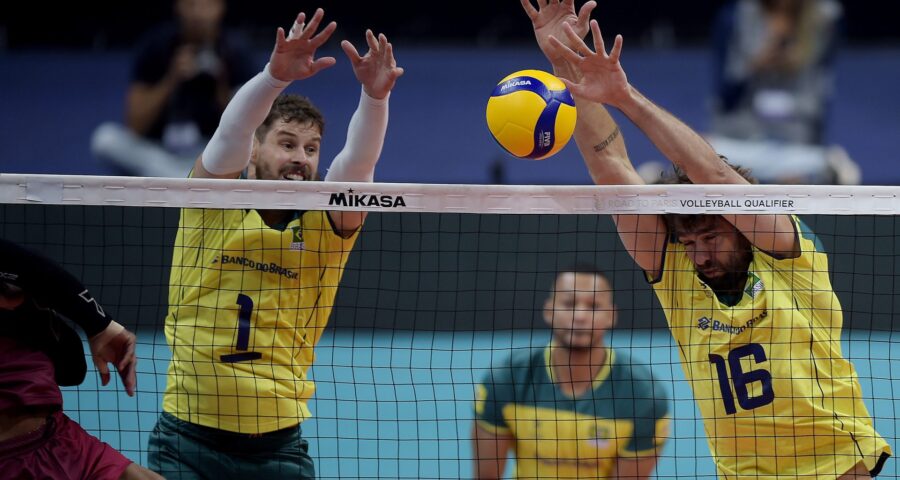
(52, 101)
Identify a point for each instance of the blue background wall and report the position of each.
(399, 404)
(51, 102)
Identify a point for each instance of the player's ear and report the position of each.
(547, 312)
(254, 158)
(254, 149)
(615, 315)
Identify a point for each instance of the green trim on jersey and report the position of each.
(625, 413)
(247, 305)
(601, 376)
(778, 398)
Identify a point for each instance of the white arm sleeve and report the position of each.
(365, 137)
(228, 151)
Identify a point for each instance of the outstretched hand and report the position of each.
(602, 77)
(377, 70)
(549, 20)
(293, 57)
(115, 345)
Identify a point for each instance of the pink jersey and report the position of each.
(61, 450)
(26, 377)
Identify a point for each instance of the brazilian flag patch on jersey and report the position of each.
(754, 285)
(297, 238)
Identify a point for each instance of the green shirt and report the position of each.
(625, 413)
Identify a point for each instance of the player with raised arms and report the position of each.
(251, 291)
(748, 298)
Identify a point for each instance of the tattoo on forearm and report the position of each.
(602, 145)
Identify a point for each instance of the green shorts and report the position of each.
(180, 450)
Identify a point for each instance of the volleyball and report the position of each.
(531, 114)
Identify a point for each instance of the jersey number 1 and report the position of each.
(741, 379)
(243, 337)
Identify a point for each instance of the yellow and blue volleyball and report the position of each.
(531, 114)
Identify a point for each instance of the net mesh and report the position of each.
(442, 284)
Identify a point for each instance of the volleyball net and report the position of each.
(443, 284)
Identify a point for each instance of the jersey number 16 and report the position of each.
(742, 379)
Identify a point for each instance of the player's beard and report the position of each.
(734, 278)
(281, 216)
(264, 173)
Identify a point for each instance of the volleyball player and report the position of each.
(38, 353)
(748, 298)
(575, 408)
(251, 290)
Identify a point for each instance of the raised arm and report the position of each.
(689, 151)
(596, 133)
(598, 137)
(604, 81)
(548, 19)
(377, 72)
(293, 58)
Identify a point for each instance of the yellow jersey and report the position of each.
(247, 304)
(778, 398)
(624, 414)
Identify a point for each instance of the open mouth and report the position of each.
(296, 173)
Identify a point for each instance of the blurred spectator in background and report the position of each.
(773, 65)
(562, 409)
(182, 77)
(773, 84)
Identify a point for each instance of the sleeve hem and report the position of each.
(489, 427)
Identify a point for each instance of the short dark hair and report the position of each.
(578, 267)
(679, 177)
(680, 222)
(291, 108)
